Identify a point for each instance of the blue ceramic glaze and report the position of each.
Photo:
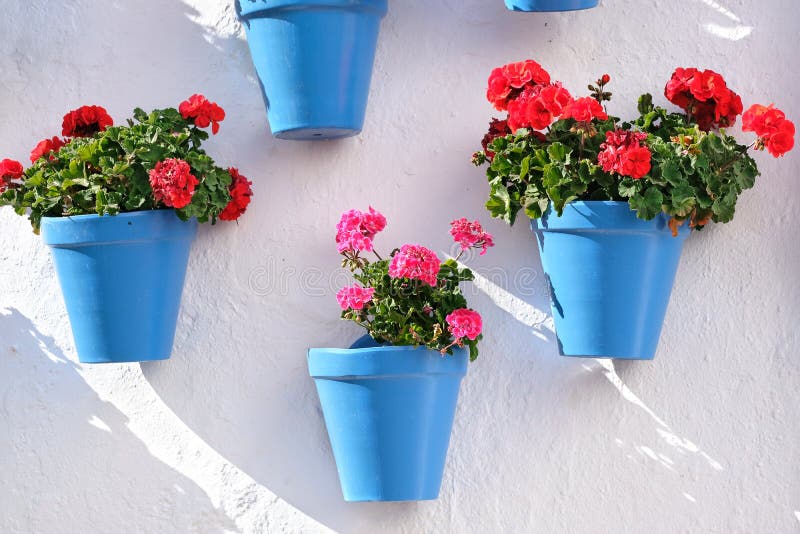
(314, 62)
(122, 278)
(610, 276)
(389, 412)
(550, 5)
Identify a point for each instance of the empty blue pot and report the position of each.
(389, 412)
(122, 278)
(610, 276)
(314, 60)
(550, 5)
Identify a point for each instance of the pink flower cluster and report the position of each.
(464, 323)
(357, 229)
(470, 235)
(624, 154)
(354, 297)
(415, 262)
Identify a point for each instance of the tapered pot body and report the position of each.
(610, 276)
(122, 279)
(389, 413)
(314, 61)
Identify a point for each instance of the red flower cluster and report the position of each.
(624, 154)
(507, 82)
(203, 111)
(538, 106)
(240, 196)
(85, 121)
(173, 183)
(584, 110)
(705, 96)
(774, 130)
(45, 147)
(497, 128)
(9, 170)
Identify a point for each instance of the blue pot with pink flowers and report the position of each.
(314, 62)
(550, 5)
(389, 413)
(610, 276)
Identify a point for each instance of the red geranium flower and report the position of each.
(497, 128)
(508, 82)
(85, 121)
(240, 196)
(636, 162)
(624, 154)
(783, 141)
(774, 130)
(203, 111)
(45, 147)
(705, 96)
(173, 183)
(498, 90)
(9, 170)
(584, 110)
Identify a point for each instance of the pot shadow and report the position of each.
(66, 448)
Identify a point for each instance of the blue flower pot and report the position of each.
(314, 61)
(389, 412)
(610, 276)
(122, 278)
(550, 5)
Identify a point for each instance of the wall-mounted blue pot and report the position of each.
(389, 412)
(122, 278)
(550, 5)
(610, 276)
(314, 61)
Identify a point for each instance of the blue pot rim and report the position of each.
(373, 362)
(246, 9)
(589, 4)
(602, 215)
(93, 229)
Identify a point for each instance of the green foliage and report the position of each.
(695, 175)
(411, 312)
(107, 173)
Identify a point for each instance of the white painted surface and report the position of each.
(228, 435)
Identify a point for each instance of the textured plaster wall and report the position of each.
(227, 436)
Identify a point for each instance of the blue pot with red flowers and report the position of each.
(314, 62)
(122, 279)
(610, 275)
(550, 5)
(119, 208)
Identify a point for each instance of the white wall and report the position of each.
(228, 434)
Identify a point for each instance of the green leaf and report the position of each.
(499, 203)
(648, 205)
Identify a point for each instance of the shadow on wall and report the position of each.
(238, 375)
(69, 456)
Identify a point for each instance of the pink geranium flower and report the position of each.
(354, 297)
(470, 235)
(464, 323)
(415, 262)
